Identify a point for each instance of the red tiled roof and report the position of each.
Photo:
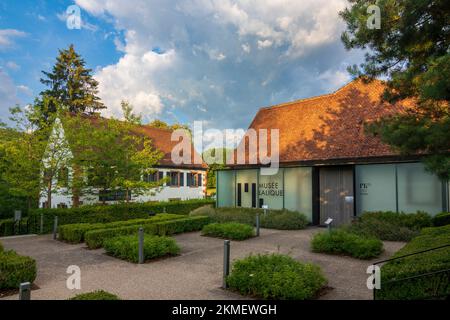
(330, 126)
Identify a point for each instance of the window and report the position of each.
(246, 187)
(152, 177)
(174, 179)
(194, 179)
(199, 179)
(181, 179)
(113, 195)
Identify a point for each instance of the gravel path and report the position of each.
(195, 274)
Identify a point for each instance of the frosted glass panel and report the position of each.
(298, 190)
(245, 179)
(271, 190)
(375, 188)
(418, 189)
(225, 195)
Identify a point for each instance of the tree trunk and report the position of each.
(75, 188)
(49, 194)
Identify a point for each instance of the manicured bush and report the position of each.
(74, 233)
(229, 230)
(275, 219)
(276, 276)
(110, 213)
(8, 227)
(1, 248)
(96, 295)
(390, 226)
(432, 261)
(343, 242)
(126, 247)
(441, 219)
(95, 238)
(15, 269)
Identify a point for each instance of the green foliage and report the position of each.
(109, 213)
(1, 248)
(431, 261)
(275, 219)
(127, 247)
(411, 50)
(96, 295)
(228, 230)
(96, 238)
(74, 233)
(343, 242)
(9, 228)
(390, 226)
(15, 269)
(276, 276)
(441, 219)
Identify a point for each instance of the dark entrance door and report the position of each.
(336, 194)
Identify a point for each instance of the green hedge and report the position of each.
(96, 295)
(343, 242)
(441, 219)
(126, 247)
(390, 226)
(95, 238)
(423, 263)
(74, 233)
(15, 269)
(9, 228)
(276, 276)
(110, 213)
(275, 219)
(1, 248)
(229, 230)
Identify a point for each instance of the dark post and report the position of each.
(41, 226)
(25, 291)
(141, 245)
(55, 227)
(226, 262)
(257, 225)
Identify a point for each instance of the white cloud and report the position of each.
(8, 94)
(12, 65)
(264, 44)
(7, 37)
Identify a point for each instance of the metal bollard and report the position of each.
(226, 262)
(25, 291)
(41, 226)
(257, 225)
(55, 227)
(141, 245)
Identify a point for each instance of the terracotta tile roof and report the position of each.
(330, 126)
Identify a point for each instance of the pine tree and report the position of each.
(71, 85)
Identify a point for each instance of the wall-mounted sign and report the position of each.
(273, 189)
(349, 199)
(364, 188)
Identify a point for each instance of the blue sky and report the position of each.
(217, 61)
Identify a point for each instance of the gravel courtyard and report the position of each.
(195, 274)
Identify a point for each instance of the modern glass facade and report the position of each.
(398, 187)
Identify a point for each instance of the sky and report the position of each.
(216, 61)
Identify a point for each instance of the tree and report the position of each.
(411, 49)
(70, 84)
(128, 114)
(211, 157)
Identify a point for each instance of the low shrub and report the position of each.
(275, 219)
(110, 213)
(228, 230)
(126, 247)
(343, 242)
(276, 276)
(428, 287)
(15, 269)
(390, 226)
(1, 248)
(9, 227)
(441, 219)
(74, 233)
(96, 295)
(95, 238)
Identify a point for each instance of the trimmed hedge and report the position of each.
(95, 238)
(441, 219)
(343, 242)
(276, 276)
(15, 269)
(96, 295)
(7, 227)
(126, 247)
(229, 230)
(275, 219)
(74, 233)
(391, 226)
(423, 263)
(110, 213)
